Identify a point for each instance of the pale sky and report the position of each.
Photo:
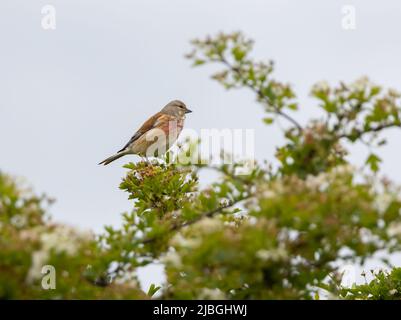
(72, 96)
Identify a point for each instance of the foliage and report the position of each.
(352, 112)
(29, 241)
(385, 286)
(271, 234)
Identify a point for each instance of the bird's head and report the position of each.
(176, 108)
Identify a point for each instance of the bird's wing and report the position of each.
(153, 122)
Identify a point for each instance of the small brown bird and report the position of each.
(157, 134)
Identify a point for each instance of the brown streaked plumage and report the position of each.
(157, 134)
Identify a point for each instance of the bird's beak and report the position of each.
(188, 111)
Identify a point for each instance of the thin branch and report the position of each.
(360, 133)
(292, 120)
(263, 97)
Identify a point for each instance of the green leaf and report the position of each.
(153, 289)
(268, 120)
(373, 161)
(238, 53)
(375, 91)
(198, 62)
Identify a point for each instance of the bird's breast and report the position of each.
(175, 127)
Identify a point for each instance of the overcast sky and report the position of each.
(72, 96)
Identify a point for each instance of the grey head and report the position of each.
(176, 108)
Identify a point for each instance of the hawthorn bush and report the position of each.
(275, 233)
(29, 240)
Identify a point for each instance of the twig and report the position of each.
(370, 130)
(263, 97)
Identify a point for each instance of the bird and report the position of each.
(157, 134)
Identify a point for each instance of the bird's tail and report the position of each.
(114, 157)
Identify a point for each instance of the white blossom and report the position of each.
(18, 221)
(39, 259)
(230, 224)
(64, 239)
(316, 182)
(277, 90)
(321, 86)
(272, 254)
(180, 241)
(268, 194)
(383, 201)
(394, 229)
(59, 238)
(209, 224)
(345, 169)
(172, 258)
(128, 278)
(31, 234)
(361, 83)
(211, 294)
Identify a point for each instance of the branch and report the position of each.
(263, 97)
(360, 133)
(104, 279)
(207, 214)
(292, 120)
